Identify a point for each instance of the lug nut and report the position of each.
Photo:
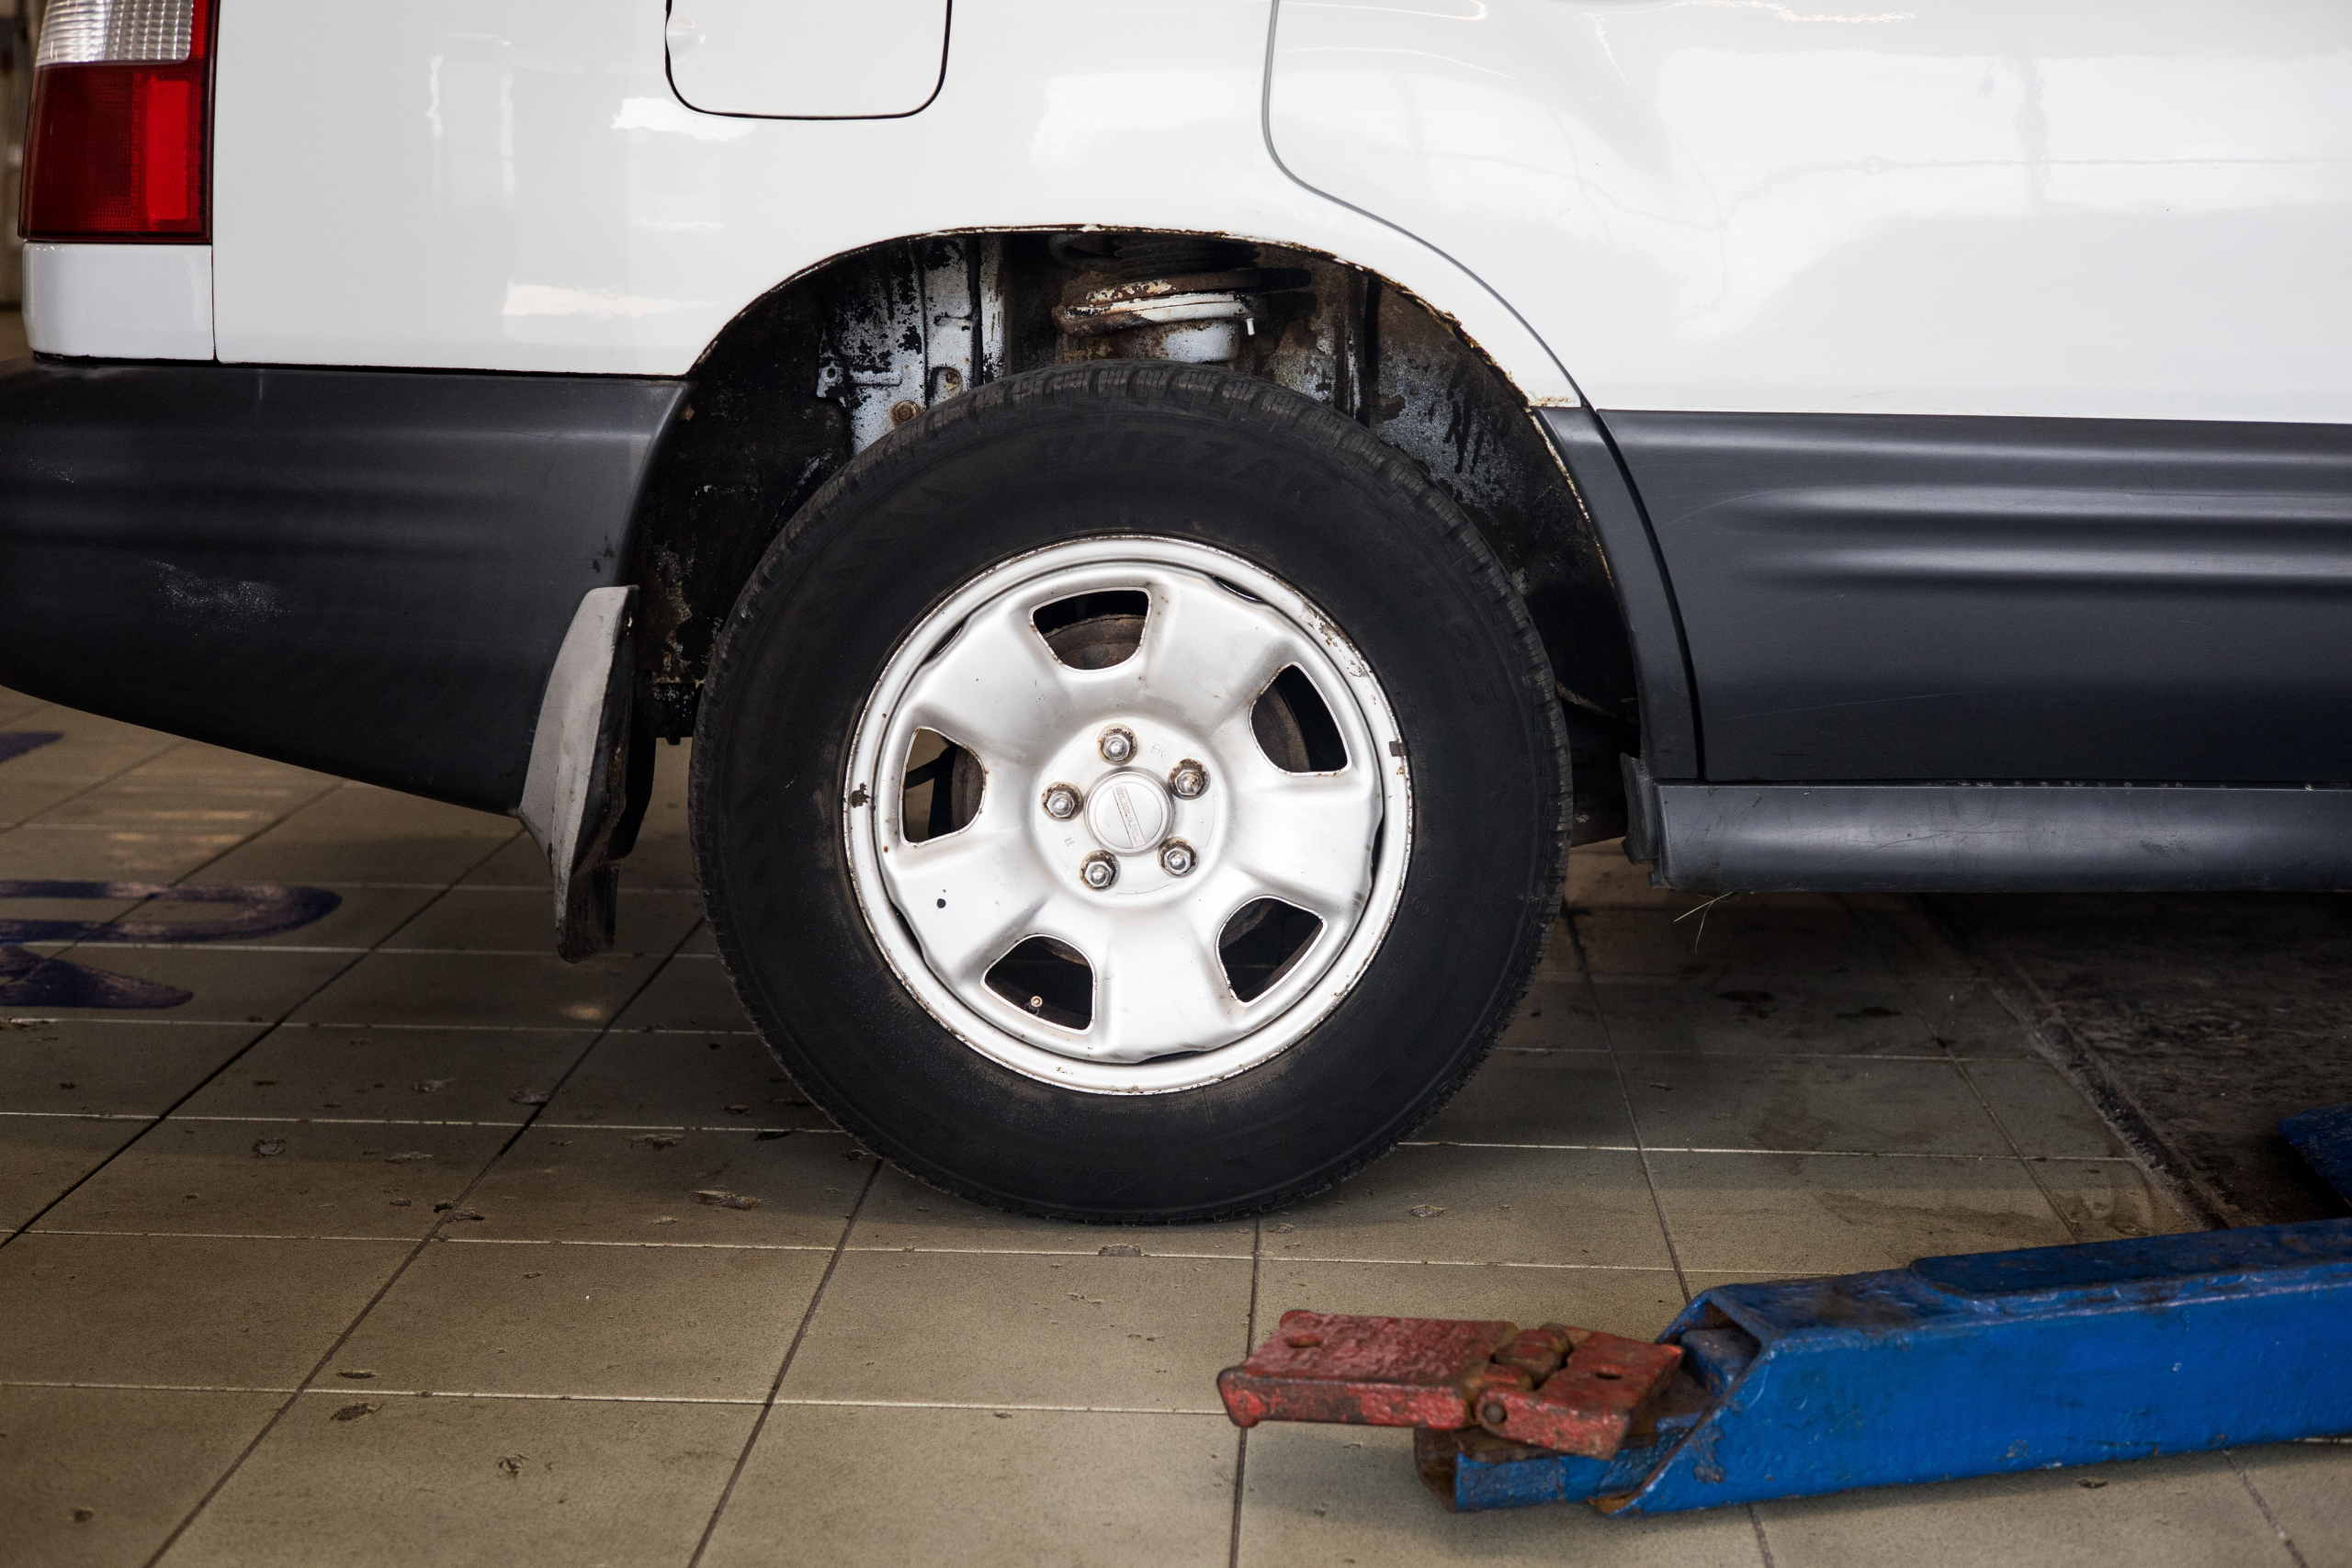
(1061, 802)
(1099, 871)
(1118, 743)
(1188, 780)
(1177, 858)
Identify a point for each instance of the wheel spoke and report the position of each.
(1306, 839)
(969, 897)
(996, 689)
(1208, 654)
(1160, 988)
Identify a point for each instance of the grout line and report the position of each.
(870, 1251)
(583, 1027)
(1241, 1438)
(232, 945)
(85, 1115)
(752, 1129)
(759, 1422)
(1763, 1547)
(368, 1388)
(397, 1273)
(976, 1404)
(2294, 1553)
(1626, 1097)
(1744, 1150)
(401, 1240)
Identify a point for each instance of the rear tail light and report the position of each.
(122, 100)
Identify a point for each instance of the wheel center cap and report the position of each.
(1129, 812)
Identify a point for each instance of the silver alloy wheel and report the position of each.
(1166, 1016)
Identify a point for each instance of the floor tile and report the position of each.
(198, 762)
(1788, 933)
(2107, 1200)
(690, 993)
(23, 799)
(177, 803)
(364, 915)
(242, 1313)
(638, 1322)
(111, 855)
(501, 919)
(394, 1075)
(42, 1157)
(900, 1213)
(1599, 876)
(1765, 1015)
(1965, 1019)
(1771, 1215)
(637, 1080)
(1871, 1105)
(472, 1483)
(113, 1068)
(1340, 1494)
(2309, 1489)
(2168, 1513)
(359, 833)
(519, 864)
(225, 984)
(94, 748)
(2042, 1112)
(1520, 1097)
(1491, 1205)
(997, 1328)
(1556, 1014)
(352, 916)
(1636, 1303)
(591, 1185)
(479, 991)
(97, 1476)
(1911, 935)
(191, 1178)
(1012, 1489)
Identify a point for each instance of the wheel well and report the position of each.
(827, 364)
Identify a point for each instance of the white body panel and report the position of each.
(1983, 207)
(2063, 208)
(813, 58)
(512, 185)
(119, 302)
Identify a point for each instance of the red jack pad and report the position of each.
(1370, 1372)
(1588, 1406)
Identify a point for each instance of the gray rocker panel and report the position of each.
(1959, 838)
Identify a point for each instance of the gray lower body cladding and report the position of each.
(1884, 597)
(365, 572)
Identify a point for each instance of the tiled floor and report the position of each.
(398, 1240)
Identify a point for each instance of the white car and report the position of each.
(1166, 518)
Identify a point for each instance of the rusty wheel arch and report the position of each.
(835, 358)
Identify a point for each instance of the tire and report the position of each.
(1175, 468)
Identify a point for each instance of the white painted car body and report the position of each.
(2080, 208)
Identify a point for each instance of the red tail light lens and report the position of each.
(121, 110)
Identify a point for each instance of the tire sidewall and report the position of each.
(1129, 450)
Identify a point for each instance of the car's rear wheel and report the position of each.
(1130, 793)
